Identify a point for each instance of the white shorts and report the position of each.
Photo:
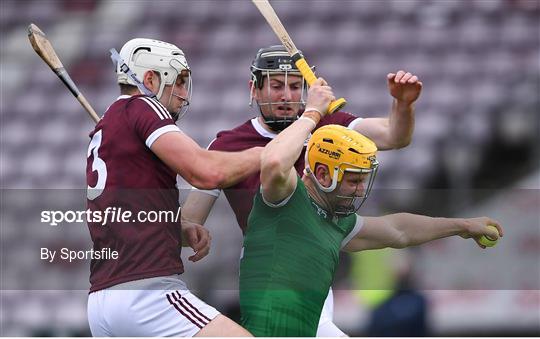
(326, 327)
(155, 307)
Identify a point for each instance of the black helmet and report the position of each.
(272, 59)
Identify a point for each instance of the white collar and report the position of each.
(261, 130)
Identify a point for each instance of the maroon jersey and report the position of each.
(252, 134)
(123, 174)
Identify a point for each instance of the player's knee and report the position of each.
(221, 326)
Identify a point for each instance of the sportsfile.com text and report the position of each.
(109, 215)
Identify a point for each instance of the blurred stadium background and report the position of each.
(475, 151)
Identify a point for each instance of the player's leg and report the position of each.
(98, 326)
(326, 327)
(221, 326)
(213, 323)
(156, 307)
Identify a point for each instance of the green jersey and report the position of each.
(291, 251)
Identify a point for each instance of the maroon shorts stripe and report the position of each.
(182, 312)
(183, 305)
(193, 307)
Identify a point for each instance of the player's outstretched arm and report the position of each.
(403, 230)
(202, 168)
(396, 130)
(198, 238)
(197, 206)
(278, 175)
(195, 211)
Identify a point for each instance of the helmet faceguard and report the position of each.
(186, 82)
(342, 150)
(353, 201)
(270, 61)
(142, 55)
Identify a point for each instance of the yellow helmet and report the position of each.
(341, 149)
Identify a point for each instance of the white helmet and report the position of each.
(142, 55)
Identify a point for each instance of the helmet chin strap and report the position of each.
(339, 210)
(117, 60)
(277, 124)
(349, 209)
(323, 193)
(178, 114)
(319, 196)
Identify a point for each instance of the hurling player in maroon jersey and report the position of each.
(134, 155)
(278, 89)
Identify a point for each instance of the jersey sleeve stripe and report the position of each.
(210, 144)
(159, 132)
(163, 109)
(355, 122)
(215, 192)
(154, 107)
(354, 232)
(281, 203)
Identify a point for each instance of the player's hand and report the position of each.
(198, 238)
(404, 86)
(319, 96)
(477, 227)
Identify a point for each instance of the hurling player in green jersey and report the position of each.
(298, 225)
